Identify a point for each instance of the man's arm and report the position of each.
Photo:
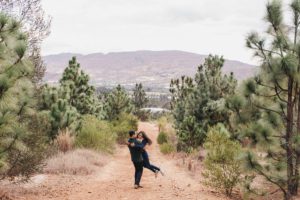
(137, 145)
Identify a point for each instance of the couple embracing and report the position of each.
(137, 146)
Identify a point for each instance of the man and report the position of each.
(136, 149)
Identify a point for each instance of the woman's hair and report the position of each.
(148, 140)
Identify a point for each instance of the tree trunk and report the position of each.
(296, 184)
(289, 135)
(287, 196)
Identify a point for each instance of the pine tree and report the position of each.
(139, 101)
(20, 148)
(269, 110)
(117, 102)
(64, 116)
(199, 102)
(139, 98)
(81, 94)
(56, 103)
(36, 25)
(73, 98)
(222, 164)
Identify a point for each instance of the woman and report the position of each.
(144, 139)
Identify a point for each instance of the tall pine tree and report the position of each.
(81, 94)
(20, 148)
(269, 110)
(72, 98)
(199, 102)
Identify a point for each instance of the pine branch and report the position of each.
(278, 95)
(270, 179)
(260, 48)
(267, 109)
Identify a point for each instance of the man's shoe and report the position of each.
(136, 187)
(140, 186)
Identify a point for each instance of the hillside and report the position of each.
(152, 68)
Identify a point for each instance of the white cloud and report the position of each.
(201, 26)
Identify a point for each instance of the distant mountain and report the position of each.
(152, 68)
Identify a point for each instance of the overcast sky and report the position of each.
(200, 26)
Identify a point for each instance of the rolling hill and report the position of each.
(153, 68)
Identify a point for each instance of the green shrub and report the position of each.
(162, 138)
(222, 166)
(96, 134)
(121, 126)
(167, 148)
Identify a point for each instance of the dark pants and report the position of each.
(150, 167)
(138, 172)
(147, 164)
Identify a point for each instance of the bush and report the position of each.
(79, 162)
(121, 127)
(167, 148)
(142, 115)
(96, 134)
(162, 123)
(162, 138)
(222, 167)
(65, 140)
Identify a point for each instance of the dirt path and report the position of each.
(115, 180)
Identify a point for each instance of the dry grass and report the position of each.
(65, 140)
(77, 162)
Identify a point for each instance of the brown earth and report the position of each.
(115, 181)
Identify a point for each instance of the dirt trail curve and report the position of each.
(115, 180)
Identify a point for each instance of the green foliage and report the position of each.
(55, 102)
(81, 94)
(22, 145)
(117, 102)
(139, 100)
(162, 138)
(222, 164)
(63, 116)
(96, 134)
(121, 126)
(267, 112)
(200, 102)
(167, 148)
(67, 102)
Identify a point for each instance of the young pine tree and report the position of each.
(117, 102)
(223, 168)
(139, 98)
(56, 104)
(139, 101)
(199, 102)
